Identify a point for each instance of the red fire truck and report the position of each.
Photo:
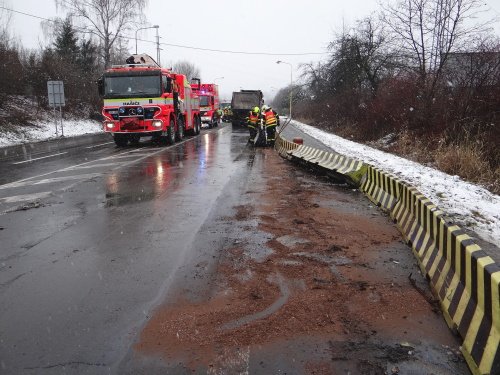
(142, 99)
(209, 102)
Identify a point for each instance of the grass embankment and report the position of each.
(471, 158)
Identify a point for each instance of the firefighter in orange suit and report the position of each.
(270, 121)
(253, 121)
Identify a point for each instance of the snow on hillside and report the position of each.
(45, 130)
(468, 205)
(20, 125)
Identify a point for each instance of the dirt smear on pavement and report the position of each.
(335, 271)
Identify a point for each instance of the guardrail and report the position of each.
(464, 278)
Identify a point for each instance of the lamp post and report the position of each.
(144, 28)
(291, 82)
(215, 79)
(158, 46)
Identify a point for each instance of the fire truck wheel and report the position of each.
(134, 140)
(121, 140)
(198, 125)
(171, 133)
(179, 134)
(157, 138)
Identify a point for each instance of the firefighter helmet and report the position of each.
(256, 110)
(265, 107)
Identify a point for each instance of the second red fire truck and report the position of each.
(143, 99)
(209, 103)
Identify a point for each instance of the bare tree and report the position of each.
(107, 19)
(281, 101)
(426, 31)
(5, 18)
(316, 76)
(11, 77)
(187, 68)
(119, 52)
(360, 59)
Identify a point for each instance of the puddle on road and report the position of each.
(291, 241)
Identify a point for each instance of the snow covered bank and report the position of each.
(45, 130)
(468, 205)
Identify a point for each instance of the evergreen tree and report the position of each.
(87, 56)
(66, 43)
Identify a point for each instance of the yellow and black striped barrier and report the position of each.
(381, 188)
(464, 278)
(307, 154)
(351, 170)
(283, 146)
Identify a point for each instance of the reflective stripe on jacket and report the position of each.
(270, 118)
(253, 119)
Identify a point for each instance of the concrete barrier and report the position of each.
(381, 188)
(336, 165)
(304, 152)
(283, 146)
(464, 278)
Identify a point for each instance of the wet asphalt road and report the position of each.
(93, 238)
(90, 242)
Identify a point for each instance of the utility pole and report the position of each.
(291, 82)
(157, 41)
(158, 47)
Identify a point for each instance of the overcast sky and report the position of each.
(269, 26)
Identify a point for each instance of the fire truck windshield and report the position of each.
(131, 86)
(204, 100)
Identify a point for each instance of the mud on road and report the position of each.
(315, 280)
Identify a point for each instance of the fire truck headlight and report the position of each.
(110, 125)
(157, 123)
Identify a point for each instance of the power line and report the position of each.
(180, 45)
(244, 52)
(25, 14)
(80, 29)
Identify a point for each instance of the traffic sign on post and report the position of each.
(55, 90)
(56, 93)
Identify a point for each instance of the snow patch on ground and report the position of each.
(468, 205)
(45, 130)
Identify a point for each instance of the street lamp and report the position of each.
(144, 28)
(291, 82)
(215, 79)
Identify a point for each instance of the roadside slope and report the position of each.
(468, 205)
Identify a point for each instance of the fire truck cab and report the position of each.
(143, 99)
(209, 103)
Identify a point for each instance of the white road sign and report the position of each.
(56, 93)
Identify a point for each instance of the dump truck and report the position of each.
(242, 103)
(143, 99)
